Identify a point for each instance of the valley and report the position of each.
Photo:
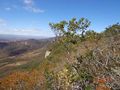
(22, 55)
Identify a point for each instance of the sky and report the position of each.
(32, 17)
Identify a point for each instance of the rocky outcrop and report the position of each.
(47, 54)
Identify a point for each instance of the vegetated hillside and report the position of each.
(78, 61)
(23, 54)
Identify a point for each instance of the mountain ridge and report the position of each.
(9, 37)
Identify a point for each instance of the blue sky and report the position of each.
(31, 17)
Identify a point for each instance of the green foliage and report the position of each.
(49, 80)
(92, 36)
(58, 28)
(112, 30)
(88, 88)
(70, 30)
(68, 79)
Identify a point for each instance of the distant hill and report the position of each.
(5, 37)
(18, 47)
(22, 54)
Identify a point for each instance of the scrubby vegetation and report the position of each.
(80, 59)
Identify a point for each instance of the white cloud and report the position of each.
(7, 8)
(30, 6)
(28, 2)
(36, 10)
(11, 7)
(33, 9)
(3, 22)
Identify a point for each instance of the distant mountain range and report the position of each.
(5, 37)
(21, 52)
(13, 48)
